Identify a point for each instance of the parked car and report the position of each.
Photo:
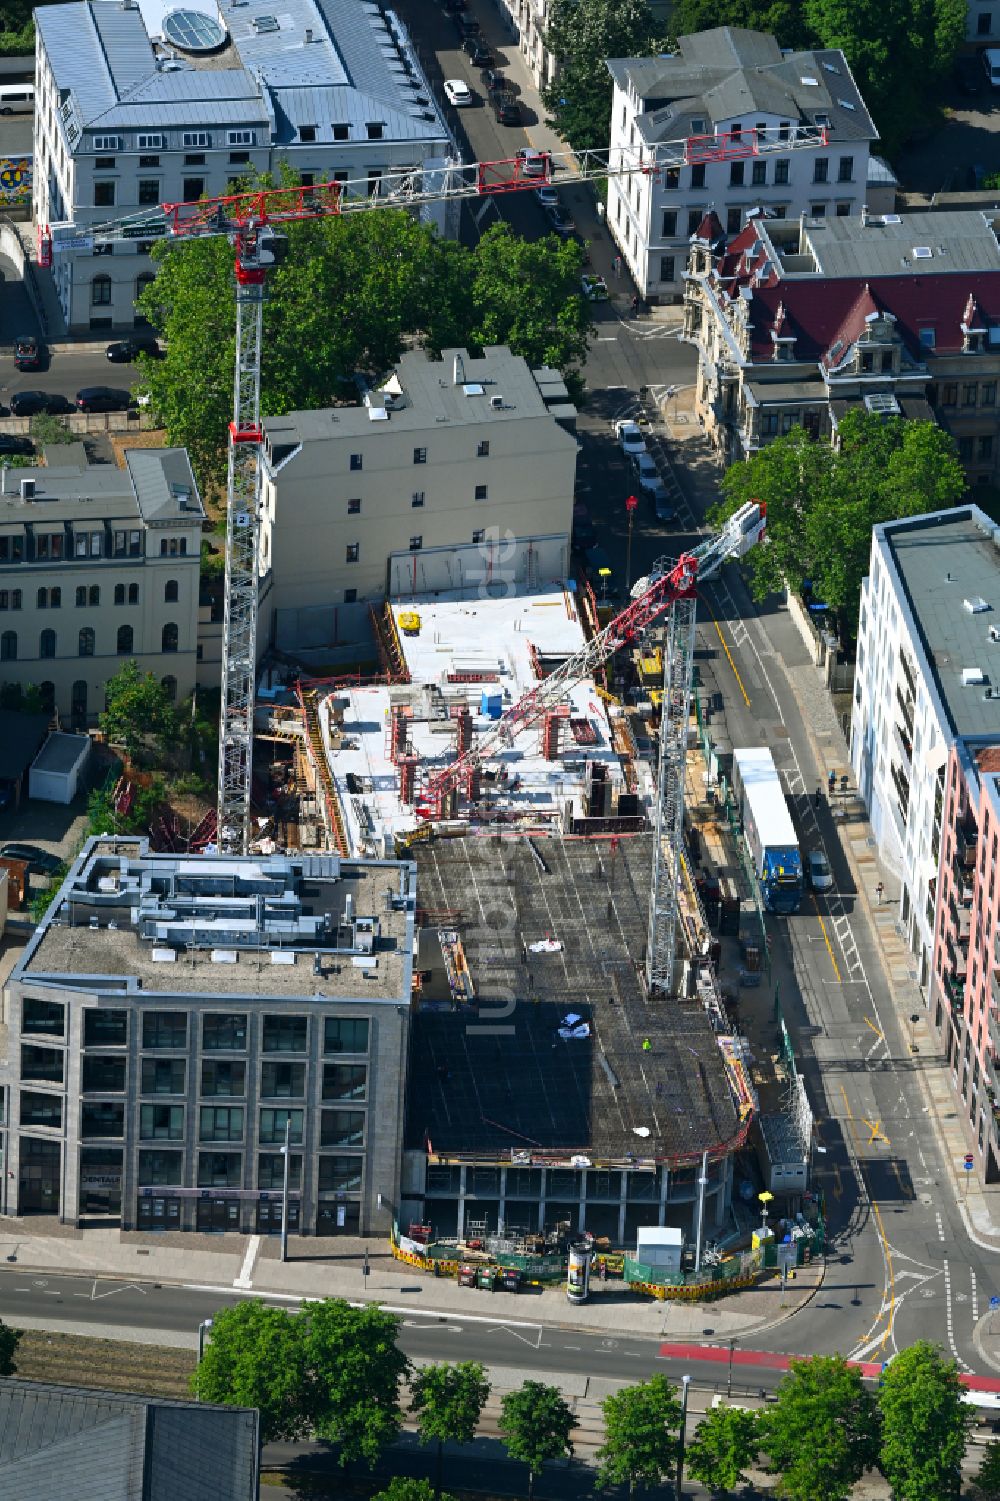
(662, 503)
(457, 93)
(584, 532)
(561, 221)
(594, 288)
(28, 353)
(30, 403)
(494, 82)
(820, 874)
(534, 163)
(968, 76)
(467, 25)
(547, 196)
(991, 66)
(13, 443)
(102, 399)
(454, 5)
(647, 476)
(506, 109)
(125, 351)
(478, 51)
(38, 860)
(629, 435)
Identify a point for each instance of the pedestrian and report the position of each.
(831, 782)
(879, 892)
(616, 265)
(635, 305)
(818, 798)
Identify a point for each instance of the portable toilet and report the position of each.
(491, 704)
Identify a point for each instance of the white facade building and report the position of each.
(729, 82)
(138, 106)
(924, 648)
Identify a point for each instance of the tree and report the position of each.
(822, 503)
(582, 35)
(354, 1373)
(988, 1478)
(724, 1446)
(254, 1358)
(821, 1433)
(641, 1427)
(9, 1341)
(925, 1424)
(137, 707)
(779, 18)
(448, 1401)
(406, 1488)
(104, 818)
(535, 1425)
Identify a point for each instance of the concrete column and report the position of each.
(724, 1193)
(502, 1208)
(622, 1199)
(664, 1193)
(581, 1218)
(541, 1200)
(460, 1228)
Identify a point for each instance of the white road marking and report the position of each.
(245, 1279)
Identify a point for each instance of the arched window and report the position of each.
(169, 637)
(94, 596)
(8, 646)
(119, 594)
(133, 594)
(55, 599)
(184, 547)
(170, 591)
(125, 638)
(100, 291)
(43, 599)
(47, 644)
(87, 641)
(78, 702)
(47, 694)
(142, 282)
(169, 686)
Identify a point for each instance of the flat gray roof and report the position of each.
(957, 241)
(942, 560)
(61, 752)
(157, 484)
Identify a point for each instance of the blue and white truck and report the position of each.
(768, 829)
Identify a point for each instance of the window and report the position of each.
(81, 596)
(164, 1029)
(107, 143)
(100, 291)
(119, 594)
(42, 1063)
(133, 594)
(821, 169)
(156, 1168)
(345, 1081)
(224, 1031)
(695, 217)
(283, 1081)
(272, 1126)
(667, 267)
(192, 189)
(341, 132)
(340, 1174)
(374, 129)
(169, 592)
(49, 545)
(161, 1122)
(220, 1169)
(357, 460)
(479, 535)
(483, 448)
(168, 637)
(42, 599)
(350, 596)
(40, 1109)
(240, 159)
(965, 450)
(104, 1074)
(668, 224)
(417, 499)
(240, 138)
(102, 1119)
(126, 636)
(949, 396)
(781, 172)
(416, 543)
(86, 648)
(342, 1128)
(818, 210)
(758, 175)
(48, 1018)
(47, 644)
(845, 169)
(223, 1078)
(354, 508)
(220, 1123)
(10, 599)
(104, 195)
(307, 133)
(150, 143)
(672, 179)
(698, 177)
(984, 23)
(482, 492)
(173, 547)
(345, 1034)
(988, 394)
(734, 217)
(736, 174)
(163, 1075)
(843, 210)
(969, 392)
(149, 190)
(8, 646)
(928, 339)
(285, 1034)
(271, 1170)
(196, 138)
(352, 552)
(985, 451)
(11, 549)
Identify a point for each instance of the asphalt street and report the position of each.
(67, 373)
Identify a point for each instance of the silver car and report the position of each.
(820, 874)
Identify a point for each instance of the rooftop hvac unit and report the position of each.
(496, 402)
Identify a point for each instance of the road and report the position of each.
(68, 371)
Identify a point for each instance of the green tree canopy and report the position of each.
(925, 1424)
(355, 1369)
(9, 1341)
(988, 1477)
(137, 708)
(724, 1447)
(254, 1358)
(779, 18)
(641, 1432)
(821, 1433)
(822, 503)
(535, 1425)
(448, 1401)
(407, 1488)
(582, 35)
(349, 294)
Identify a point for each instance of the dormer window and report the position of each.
(974, 342)
(928, 338)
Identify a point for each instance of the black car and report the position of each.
(478, 51)
(125, 351)
(506, 109)
(467, 25)
(38, 860)
(493, 81)
(30, 403)
(28, 353)
(13, 443)
(102, 399)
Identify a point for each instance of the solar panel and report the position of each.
(193, 30)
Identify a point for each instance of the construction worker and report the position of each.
(647, 1046)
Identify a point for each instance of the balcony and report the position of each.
(905, 702)
(993, 1027)
(966, 845)
(904, 743)
(909, 673)
(958, 960)
(901, 782)
(954, 989)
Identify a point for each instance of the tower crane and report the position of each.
(252, 223)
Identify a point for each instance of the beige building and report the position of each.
(457, 475)
(99, 565)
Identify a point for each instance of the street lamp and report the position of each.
(605, 576)
(765, 1199)
(729, 1383)
(679, 1488)
(631, 505)
(205, 1324)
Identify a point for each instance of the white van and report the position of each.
(16, 96)
(991, 66)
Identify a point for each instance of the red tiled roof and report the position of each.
(710, 229)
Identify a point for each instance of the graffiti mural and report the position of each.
(15, 179)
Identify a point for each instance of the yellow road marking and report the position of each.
(889, 1312)
(870, 1023)
(877, 1134)
(826, 940)
(729, 655)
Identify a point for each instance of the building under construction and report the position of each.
(558, 1094)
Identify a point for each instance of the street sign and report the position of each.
(969, 1162)
(994, 1304)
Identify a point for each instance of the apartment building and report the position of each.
(797, 323)
(139, 104)
(530, 19)
(720, 89)
(982, 22)
(171, 1016)
(457, 475)
(98, 566)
